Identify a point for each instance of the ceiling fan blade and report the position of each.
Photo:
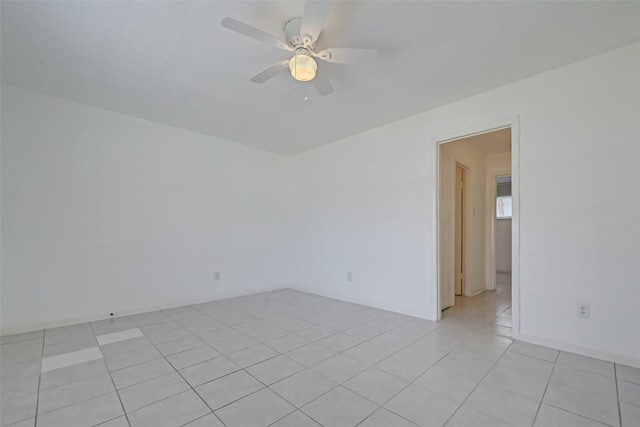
(348, 55)
(315, 13)
(254, 33)
(322, 83)
(269, 72)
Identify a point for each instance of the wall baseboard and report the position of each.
(612, 357)
(373, 304)
(478, 292)
(584, 351)
(30, 327)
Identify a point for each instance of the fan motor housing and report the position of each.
(292, 34)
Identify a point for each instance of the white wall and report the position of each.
(367, 204)
(108, 213)
(356, 209)
(503, 245)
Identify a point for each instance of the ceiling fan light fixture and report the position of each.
(303, 67)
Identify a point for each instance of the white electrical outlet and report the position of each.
(349, 276)
(583, 310)
(216, 276)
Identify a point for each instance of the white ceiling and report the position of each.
(172, 63)
(489, 143)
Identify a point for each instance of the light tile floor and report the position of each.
(288, 358)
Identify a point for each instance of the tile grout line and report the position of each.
(555, 363)
(78, 402)
(394, 352)
(379, 406)
(579, 415)
(148, 380)
(428, 369)
(373, 366)
(189, 384)
(300, 408)
(78, 380)
(268, 387)
(403, 388)
(288, 357)
(490, 369)
(338, 384)
(116, 390)
(615, 378)
(109, 371)
(388, 410)
(108, 421)
(223, 355)
(199, 418)
(111, 378)
(35, 419)
(476, 386)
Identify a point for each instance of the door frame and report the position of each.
(514, 124)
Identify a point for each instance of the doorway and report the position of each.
(466, 208)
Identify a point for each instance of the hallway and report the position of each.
(487, 307)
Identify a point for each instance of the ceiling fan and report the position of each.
(301, 35)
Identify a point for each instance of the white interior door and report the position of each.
(459, 231)
(446, 230)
